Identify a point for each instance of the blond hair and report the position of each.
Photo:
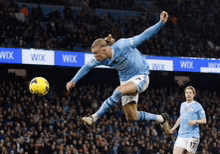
(108, 41)
(99, 42)
(192, 88)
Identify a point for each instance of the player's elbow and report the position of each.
(204, 120)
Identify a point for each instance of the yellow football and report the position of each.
(39, 86)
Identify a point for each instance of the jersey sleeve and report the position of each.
(201, 112)
(85, 69)
(146, 35)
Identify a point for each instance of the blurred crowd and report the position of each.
(52, 124)
(94, 4)
(191, 31)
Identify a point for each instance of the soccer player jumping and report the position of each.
(191, 115)
(133, 69)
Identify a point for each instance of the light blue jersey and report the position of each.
(127, 59)
(188, 112)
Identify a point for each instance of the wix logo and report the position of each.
(38, 57)
(69, 58)
(9, 55)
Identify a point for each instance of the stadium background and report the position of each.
(51, 124)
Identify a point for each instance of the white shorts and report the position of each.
(190, 144)
(142, 82)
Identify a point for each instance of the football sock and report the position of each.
(109, 103)
(144, 116)
(159, 118)
(95, 117)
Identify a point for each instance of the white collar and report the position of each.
(187, 104)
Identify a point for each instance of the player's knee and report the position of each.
(120, 89)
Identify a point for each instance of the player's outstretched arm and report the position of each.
(82, 72)
(151, 31)
(175, 125)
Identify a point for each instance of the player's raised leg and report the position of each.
(132, 115)
(128, 92)
(108, 104)
(128, 88)
(129, 103)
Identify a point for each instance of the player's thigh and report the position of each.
(130, 111)
(126, 99)
(129, 88)
(180, 145)
(137, 84)
(178, 150)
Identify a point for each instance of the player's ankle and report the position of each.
(159, 119)
(95, 117)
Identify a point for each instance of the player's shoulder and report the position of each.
(197, 104)
(122, 39)
(121, 45)
(183, 103)
(121, 42)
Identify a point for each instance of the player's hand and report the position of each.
(171, 131)
(164, 17)
(70, 85)
(192, 122)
